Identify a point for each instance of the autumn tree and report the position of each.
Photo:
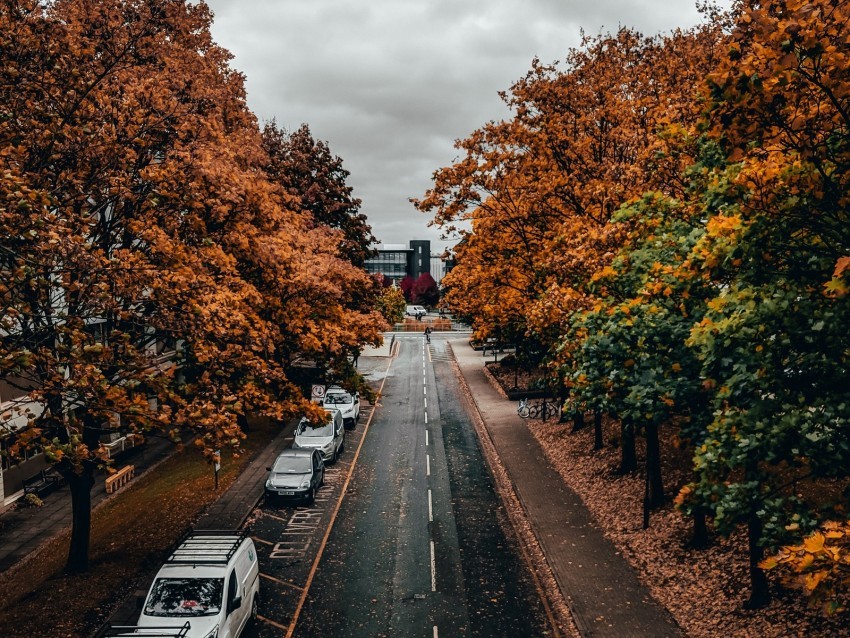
(406, 284)
(774, 342)
(424, 290)
(316, 179)
(137, 210)
(391, 304)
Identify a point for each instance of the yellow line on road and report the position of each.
(271, 622)
(324, 542)
(277, 518)
(281, 582)
(260, 540)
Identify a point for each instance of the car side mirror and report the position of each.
(235, 604)
(268, 469)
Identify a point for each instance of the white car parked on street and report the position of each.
(346, 402)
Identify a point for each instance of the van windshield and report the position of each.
(185, 597)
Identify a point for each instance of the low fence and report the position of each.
(436, 325)
(122, 444)
(120, 478)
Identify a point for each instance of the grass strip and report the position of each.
(130, 535)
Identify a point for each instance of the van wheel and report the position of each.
(255, 609)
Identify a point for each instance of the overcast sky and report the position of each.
(391, 84)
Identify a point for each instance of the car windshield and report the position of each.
(338, 399)
(305, 428)
(185, 597)
(292, 465)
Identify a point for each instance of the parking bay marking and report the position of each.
(281, 582)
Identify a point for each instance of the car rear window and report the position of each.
(337, 399)
(185, 597)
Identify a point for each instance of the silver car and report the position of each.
(328, 438)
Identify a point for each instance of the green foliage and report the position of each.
(391, 304)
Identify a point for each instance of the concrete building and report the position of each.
(397, 261)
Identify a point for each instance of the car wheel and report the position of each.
(322, 480)
(341, 448)
(255, 609)
(312, 497)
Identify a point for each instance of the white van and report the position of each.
(211, 581)
(415, 311)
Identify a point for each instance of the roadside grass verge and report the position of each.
(130, 535)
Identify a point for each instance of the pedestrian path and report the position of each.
(602, 590)
(25, 529)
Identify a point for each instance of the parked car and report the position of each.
(212, 580)
(328, 438)
(347, 403)
(296, 475)
(415, 311)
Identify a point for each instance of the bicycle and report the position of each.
(523, 410)
(533, 411)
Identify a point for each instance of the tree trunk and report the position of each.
(699, 540)
(760, 593)
(578, 421)
(653, 466)
(78, 552)
(597, 430)
(80, 486)
(628, 456)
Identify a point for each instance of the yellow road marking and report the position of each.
(324, 542)
(260, 540)
(271, 622)
(281, 582)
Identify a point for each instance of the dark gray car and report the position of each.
(296, 475)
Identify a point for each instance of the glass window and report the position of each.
(185, 597)
(291, 465)
(305, 428)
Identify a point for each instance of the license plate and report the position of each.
(288, 493)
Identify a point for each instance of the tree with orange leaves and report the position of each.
(138, 213)
(774, 343)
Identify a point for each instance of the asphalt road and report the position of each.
(407, 537)
(418, 546)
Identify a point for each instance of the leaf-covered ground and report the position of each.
(703, 589)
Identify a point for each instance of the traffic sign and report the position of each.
(318, 391)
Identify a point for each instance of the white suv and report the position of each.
(346, 402)
(211, 582)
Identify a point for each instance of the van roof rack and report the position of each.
(207, 547)
(133, 631)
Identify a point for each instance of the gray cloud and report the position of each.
(390, 84)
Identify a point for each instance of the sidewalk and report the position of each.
(601, 588)
(24, 530)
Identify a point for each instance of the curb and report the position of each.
(528, 542)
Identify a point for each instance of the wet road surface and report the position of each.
(408, 537)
